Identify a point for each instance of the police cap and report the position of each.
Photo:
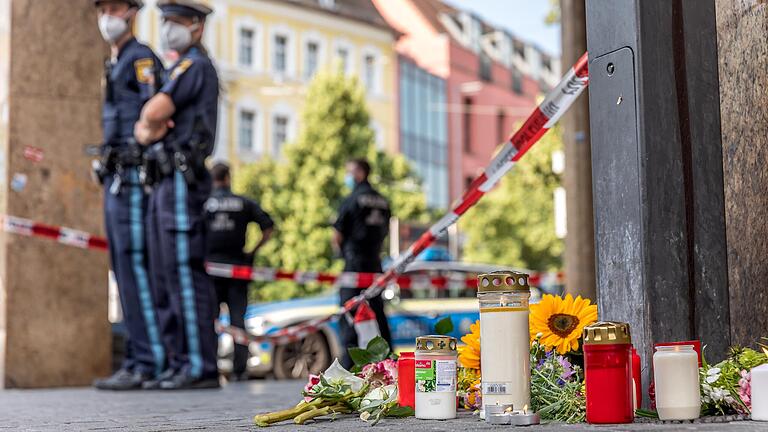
(185, 8)
(138, 4)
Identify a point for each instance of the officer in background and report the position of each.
(183, 115)
(360, 229)
(228, 216)
(132, 76)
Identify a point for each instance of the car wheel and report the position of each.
(297, 360)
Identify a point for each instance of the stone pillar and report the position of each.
(53, 298)
(742, 32)
(580, 240)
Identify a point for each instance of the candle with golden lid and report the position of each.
(504, 338)
(608, 373)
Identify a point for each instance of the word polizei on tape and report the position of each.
(557, 103)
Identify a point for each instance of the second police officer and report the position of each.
(180, 122)
(132, 75)
(228, 216)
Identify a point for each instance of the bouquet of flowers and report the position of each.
(557, 380)
(726, 386)
(371, 391)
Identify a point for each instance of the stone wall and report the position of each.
(742, 33)
(53, 298)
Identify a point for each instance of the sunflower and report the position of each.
(469, 354)
(561, 321)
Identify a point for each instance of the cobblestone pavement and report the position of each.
(228, 409)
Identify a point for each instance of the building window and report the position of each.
(546, 64)
(279, 134)
(501, 126)
(311, 59)
(517, 81)
(245, 56)
(280, 54)
(468, 125)
(486, 67)
(343, 55)
(247, 131)
(369, 72)
(520, 50)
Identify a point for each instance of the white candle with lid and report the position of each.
(676, 378)
(759, 384)
(504, 339)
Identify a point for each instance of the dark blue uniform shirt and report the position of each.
(130, 81)
(363, 223)
(193, 85)
(228, 216)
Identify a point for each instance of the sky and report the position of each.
(524, 18)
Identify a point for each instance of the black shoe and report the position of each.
(236, 377)
(154, 383)
(122, 380)
(185, 381)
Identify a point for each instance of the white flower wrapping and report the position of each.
(337, 374)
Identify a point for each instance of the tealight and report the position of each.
(524, 418)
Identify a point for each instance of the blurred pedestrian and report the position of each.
(228, 216)
(132, 74)
(360, 230)
(183, 115)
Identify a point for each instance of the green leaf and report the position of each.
(444, 326)
(378, 348)
(400, 412)
(360, 356)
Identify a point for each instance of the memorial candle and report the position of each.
(676, 377)
(759, 395)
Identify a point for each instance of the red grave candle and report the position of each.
(608, 373)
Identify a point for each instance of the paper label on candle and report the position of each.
(435, 376)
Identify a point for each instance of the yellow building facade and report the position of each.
(267, 51)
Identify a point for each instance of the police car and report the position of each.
(438, 289)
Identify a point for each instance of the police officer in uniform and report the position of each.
(228, 217)
(360, 229)
(132, 76)
(180, 124)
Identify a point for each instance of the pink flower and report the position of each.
(381, 373)
(311, 383)
(745, 388)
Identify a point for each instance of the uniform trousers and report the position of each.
(185, 298)
(125, 205)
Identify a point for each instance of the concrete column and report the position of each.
(742, 31)
(580, 240)
(53, 298)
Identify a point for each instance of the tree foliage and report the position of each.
(303, 189)
(514, 224)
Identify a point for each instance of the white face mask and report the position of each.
(112, 27)
(177, 37)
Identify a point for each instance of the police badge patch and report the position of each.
(181, 68)
(144, 70)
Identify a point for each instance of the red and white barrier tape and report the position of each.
(557, 103)
(84, 240)
(352, 279)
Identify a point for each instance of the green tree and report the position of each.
(514, 224)
(303, 190)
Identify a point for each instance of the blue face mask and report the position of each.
(349, 181)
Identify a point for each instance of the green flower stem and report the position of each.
(320, 412)
(278, 416)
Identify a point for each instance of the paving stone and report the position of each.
(232, 409)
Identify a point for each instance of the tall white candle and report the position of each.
(676, 377)
(759, 398)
